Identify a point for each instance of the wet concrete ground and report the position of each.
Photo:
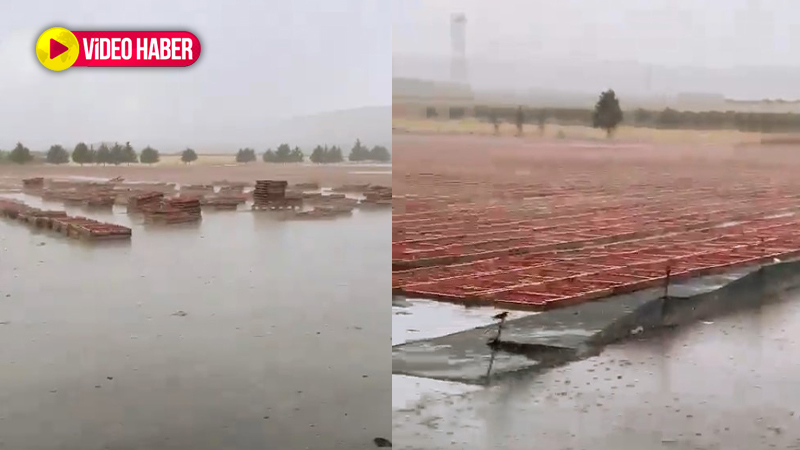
(727, 384)
(415, 319)
(283, 344)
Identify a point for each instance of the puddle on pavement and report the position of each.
(726, 384)
(416, 319)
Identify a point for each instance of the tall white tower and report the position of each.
(458, 62)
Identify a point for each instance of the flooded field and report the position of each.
(205, 171)
(241, 332)
(724, 384)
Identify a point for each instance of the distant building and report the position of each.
(413, 88)
(699, 101)
(776, 106)
(458, 43)
(412, 97)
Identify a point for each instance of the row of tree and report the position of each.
(320, 154)
(83, 154)
(377, 153)
(126, 154)
(284, 154)
(116, 154)
(607, 114)
(708, 120)
(325, 155)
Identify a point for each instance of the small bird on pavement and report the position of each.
(502, 316)
(382, 442)
(502, 319)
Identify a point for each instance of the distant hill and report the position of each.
(630, 79)
(372, 124)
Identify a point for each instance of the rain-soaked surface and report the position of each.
(727, 384)
(242, 333)
(415, 319)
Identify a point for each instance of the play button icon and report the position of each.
(57, 48)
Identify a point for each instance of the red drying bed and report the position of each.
(557, 279)
(83, 227)
(467, 247)
(542, 225)
(11, 208)
(60, 222)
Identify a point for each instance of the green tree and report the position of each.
(103, 155)
(297, 155)
(269, 156)
(129, 154)
(380, 154)
(188, 156)
(642, 116)
(318, 155)
(541, 117)
(57, 155)
(116, 157)
(607, 112)
(20, 154)
(669, 118)
(335, 155)
(283, 153)
(358, 152)
(520, 120)
(149, 155)
(81, 154)
(495, 121)
(245, 155)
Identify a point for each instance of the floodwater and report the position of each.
(726, 384)
(283, 343)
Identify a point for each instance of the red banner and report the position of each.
(137, 48)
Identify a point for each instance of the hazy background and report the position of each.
(267, 70)
(742, 49)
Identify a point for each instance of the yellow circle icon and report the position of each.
(57, 49)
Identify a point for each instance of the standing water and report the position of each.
(242, 332)
(730, 383)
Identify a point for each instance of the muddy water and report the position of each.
(283, 344)
(727, 384)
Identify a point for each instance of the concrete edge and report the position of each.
(751, 290)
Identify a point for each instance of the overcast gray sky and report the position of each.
(745, 49)
(260, 60)
(670, 32)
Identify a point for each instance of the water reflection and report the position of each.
(722, 383)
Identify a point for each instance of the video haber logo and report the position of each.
(59, 49)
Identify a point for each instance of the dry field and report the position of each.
(554, 132)
(542, 224)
